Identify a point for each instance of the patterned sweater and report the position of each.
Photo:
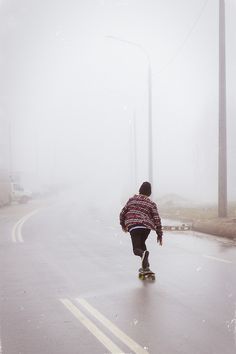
(140, 210)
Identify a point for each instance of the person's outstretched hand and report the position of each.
(159, 239)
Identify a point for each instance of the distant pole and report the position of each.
(134, 150)
(149, 85)
(150, 147)
(10, 146)
(222, 164)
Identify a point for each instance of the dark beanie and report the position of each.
(145, 189)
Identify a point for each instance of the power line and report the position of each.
(181, 46)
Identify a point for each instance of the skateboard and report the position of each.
(146, 274)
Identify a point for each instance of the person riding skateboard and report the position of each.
(138, 217)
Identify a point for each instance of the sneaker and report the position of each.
(145, 263)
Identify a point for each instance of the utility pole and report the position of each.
(10, 147)
(222, 163)
(134, 140)
(150, 139)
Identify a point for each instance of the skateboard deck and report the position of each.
(146, 274)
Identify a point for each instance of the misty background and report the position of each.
(74, 101)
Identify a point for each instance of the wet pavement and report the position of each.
(69, 284)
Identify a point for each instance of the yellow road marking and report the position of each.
(112, 347)
(135, 347)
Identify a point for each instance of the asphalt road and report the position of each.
(69, 285)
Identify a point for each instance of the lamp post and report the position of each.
(149, 85)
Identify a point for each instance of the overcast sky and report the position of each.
(76, 101)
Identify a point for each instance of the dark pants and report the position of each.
(138, 237)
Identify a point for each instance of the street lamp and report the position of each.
(149, 83)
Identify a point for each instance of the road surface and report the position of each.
(69, 284)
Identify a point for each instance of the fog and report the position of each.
(74, 100)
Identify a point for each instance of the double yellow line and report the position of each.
(104, 339)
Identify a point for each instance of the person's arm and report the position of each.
(122, 217)
(157, 221)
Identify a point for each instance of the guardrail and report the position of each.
(183, 227)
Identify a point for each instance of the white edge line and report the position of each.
(16, 231)
(19, 235)
(112, 347)
(113, 328)
(13, 235)
(218, 259)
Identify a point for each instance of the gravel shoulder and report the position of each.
(204, 219)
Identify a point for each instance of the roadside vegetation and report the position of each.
(202, 218)
(194, 213)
